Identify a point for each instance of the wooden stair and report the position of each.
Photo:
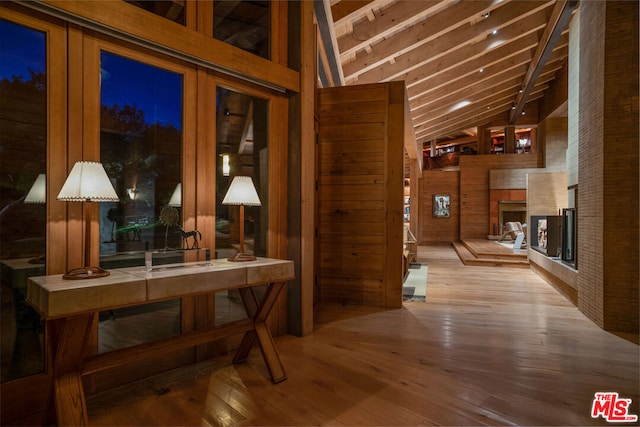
(489, 253)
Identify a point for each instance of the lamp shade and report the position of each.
(242, 192)
(88, 182)
(176, 197)
(38, 191)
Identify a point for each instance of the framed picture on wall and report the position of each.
(441, 206)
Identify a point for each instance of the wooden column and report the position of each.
(607, 192)
(510, 139)
(484, 140)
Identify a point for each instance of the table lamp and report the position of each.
(242, 192)
(87, 182)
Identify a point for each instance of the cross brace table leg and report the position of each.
(261, 332)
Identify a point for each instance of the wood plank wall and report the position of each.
(360, 194)
(474, 188)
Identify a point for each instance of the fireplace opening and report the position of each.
(511, 211)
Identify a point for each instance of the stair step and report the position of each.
(468, 258)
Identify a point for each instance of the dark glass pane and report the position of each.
(241, 136)
(23, 162)
(244, 24)
(141, 148)
(242, 147)
(173, 10)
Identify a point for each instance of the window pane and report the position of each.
(244, 24)
(141, 148)
(241, 137)
(242, 147)
(23, 162)
(170, 9)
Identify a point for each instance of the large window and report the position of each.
(244, 24)
(23, 157)
(141, 149)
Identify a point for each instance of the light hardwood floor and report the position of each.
(491, 346)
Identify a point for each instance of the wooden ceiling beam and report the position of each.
(479, 119)
(465, 89)
(508, 55)
(487, 103)
(455, 51)
(326, 31)
(490, 104)
(348, 10)
(475, 95)
(416, 36)
(398, 15)
(513, 21)
(557, 22)
(344, 23)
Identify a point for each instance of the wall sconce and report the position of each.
(243, 193)
(87, 182)
(226, 169)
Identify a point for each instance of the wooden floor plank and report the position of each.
(490, 346)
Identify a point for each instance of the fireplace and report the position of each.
(511, 211)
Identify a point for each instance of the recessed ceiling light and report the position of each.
(459, 105)
(482, 70)
(494, 32)
(485, 15)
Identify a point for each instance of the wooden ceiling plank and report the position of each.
(400, 14)
(417, 35)
(460, 89)
(446, 52)
(459, 120)
(484, 101)
(479, 119)
(348, 10)
(475, 95)
(473, 118)
(557, 23)
(500, 99)
(510, 54)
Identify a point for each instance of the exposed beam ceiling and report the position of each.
(466, 63)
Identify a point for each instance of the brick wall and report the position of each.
(438, 230)
(607, 198)
(475, 220)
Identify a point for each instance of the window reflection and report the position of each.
(241, 134)
(23, 162)
(141, 150)
(172, 10)
(244, 24)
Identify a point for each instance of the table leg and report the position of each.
(261, 332)
(67, 393)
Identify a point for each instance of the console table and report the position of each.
(70, 306)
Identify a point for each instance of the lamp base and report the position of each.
(38, 260)
(85, 273)
(241, 257)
